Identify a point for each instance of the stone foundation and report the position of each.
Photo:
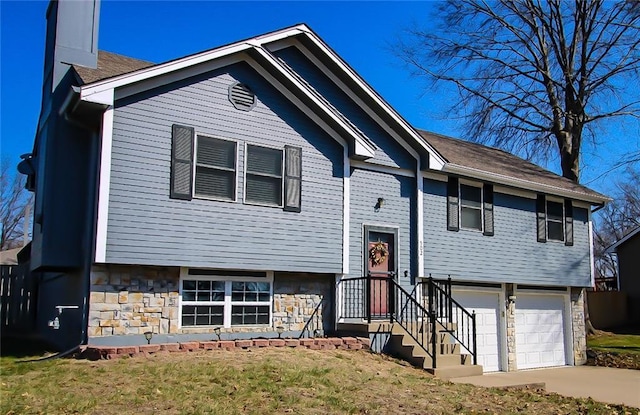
(510, 313)
(578, 326)
(132, 300)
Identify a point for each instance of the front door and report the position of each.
(380, 266)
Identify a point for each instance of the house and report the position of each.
(263, 186)
(627, 250)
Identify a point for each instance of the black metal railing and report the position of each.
(453, 317)
(416, 320)
(369, 297)
(313, 327)
(379, 297)
(426, 312)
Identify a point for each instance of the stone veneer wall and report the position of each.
(512, 362)
(297, 296)
(131, 300)
(578, 326)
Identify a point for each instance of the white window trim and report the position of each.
(194, 195)
(562, 221)
(227, 303)
(479, 185)
(244, 182)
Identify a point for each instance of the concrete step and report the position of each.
(450, 372)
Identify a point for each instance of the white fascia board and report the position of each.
(112, 83)
(338, 82)
(346, 210)
(104, 185)
(420, 219)
(361, 148)
(93, 92)
(523, 184)
(436, 161)
(628, 236)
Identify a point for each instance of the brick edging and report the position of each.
(327, 343)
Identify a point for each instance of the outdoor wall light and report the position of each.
(148, 335)
(280, 330)
(379, 204)
(217, 332)
(512, 298)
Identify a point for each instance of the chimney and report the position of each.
(71, 39)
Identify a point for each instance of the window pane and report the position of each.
(555, 230)
(204, 285)
(204, 296)
(202, 315)
(470, 218)
(264, 160)
(249, 315)
(214, 152)
(470, 195)
(188, 285)
(215, 183)
(264, 190)
(554, 211)
(188, 296)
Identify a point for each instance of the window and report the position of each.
(263, 176)
(215, 168)
(555, 221)
(470, 207)
(273, 176)
(214, 300)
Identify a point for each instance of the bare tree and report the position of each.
(13, 206)
(534, 76)
(615, 220)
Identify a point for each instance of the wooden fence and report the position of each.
(18, 299)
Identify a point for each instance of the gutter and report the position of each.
(524, 184)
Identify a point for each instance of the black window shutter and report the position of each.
(292, 179)
(488, 209)
(181, 162)
(541, 218)
(568, 222)
(453, 199)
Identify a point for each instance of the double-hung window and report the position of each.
(263, 177)
(219, 300)
(470, 207)
(555, 221)
(207, 167)
(215, 168)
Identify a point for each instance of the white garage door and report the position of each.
(487, 308)
(540, 335)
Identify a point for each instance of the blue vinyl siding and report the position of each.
(146, 227)
(513, 255)
(399, 195)
(389, 152)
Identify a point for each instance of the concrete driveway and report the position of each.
(603, 384)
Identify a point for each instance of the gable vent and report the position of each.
(242, 97)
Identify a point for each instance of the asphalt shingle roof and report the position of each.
(110, 65)
(493, 160)
(455, 151)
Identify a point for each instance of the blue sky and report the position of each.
(158, 31)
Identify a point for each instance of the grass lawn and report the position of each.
(614, 350)
(259, 381)
(628, 343)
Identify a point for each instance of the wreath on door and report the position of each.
(378, 253)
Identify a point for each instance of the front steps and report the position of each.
(450, 363)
